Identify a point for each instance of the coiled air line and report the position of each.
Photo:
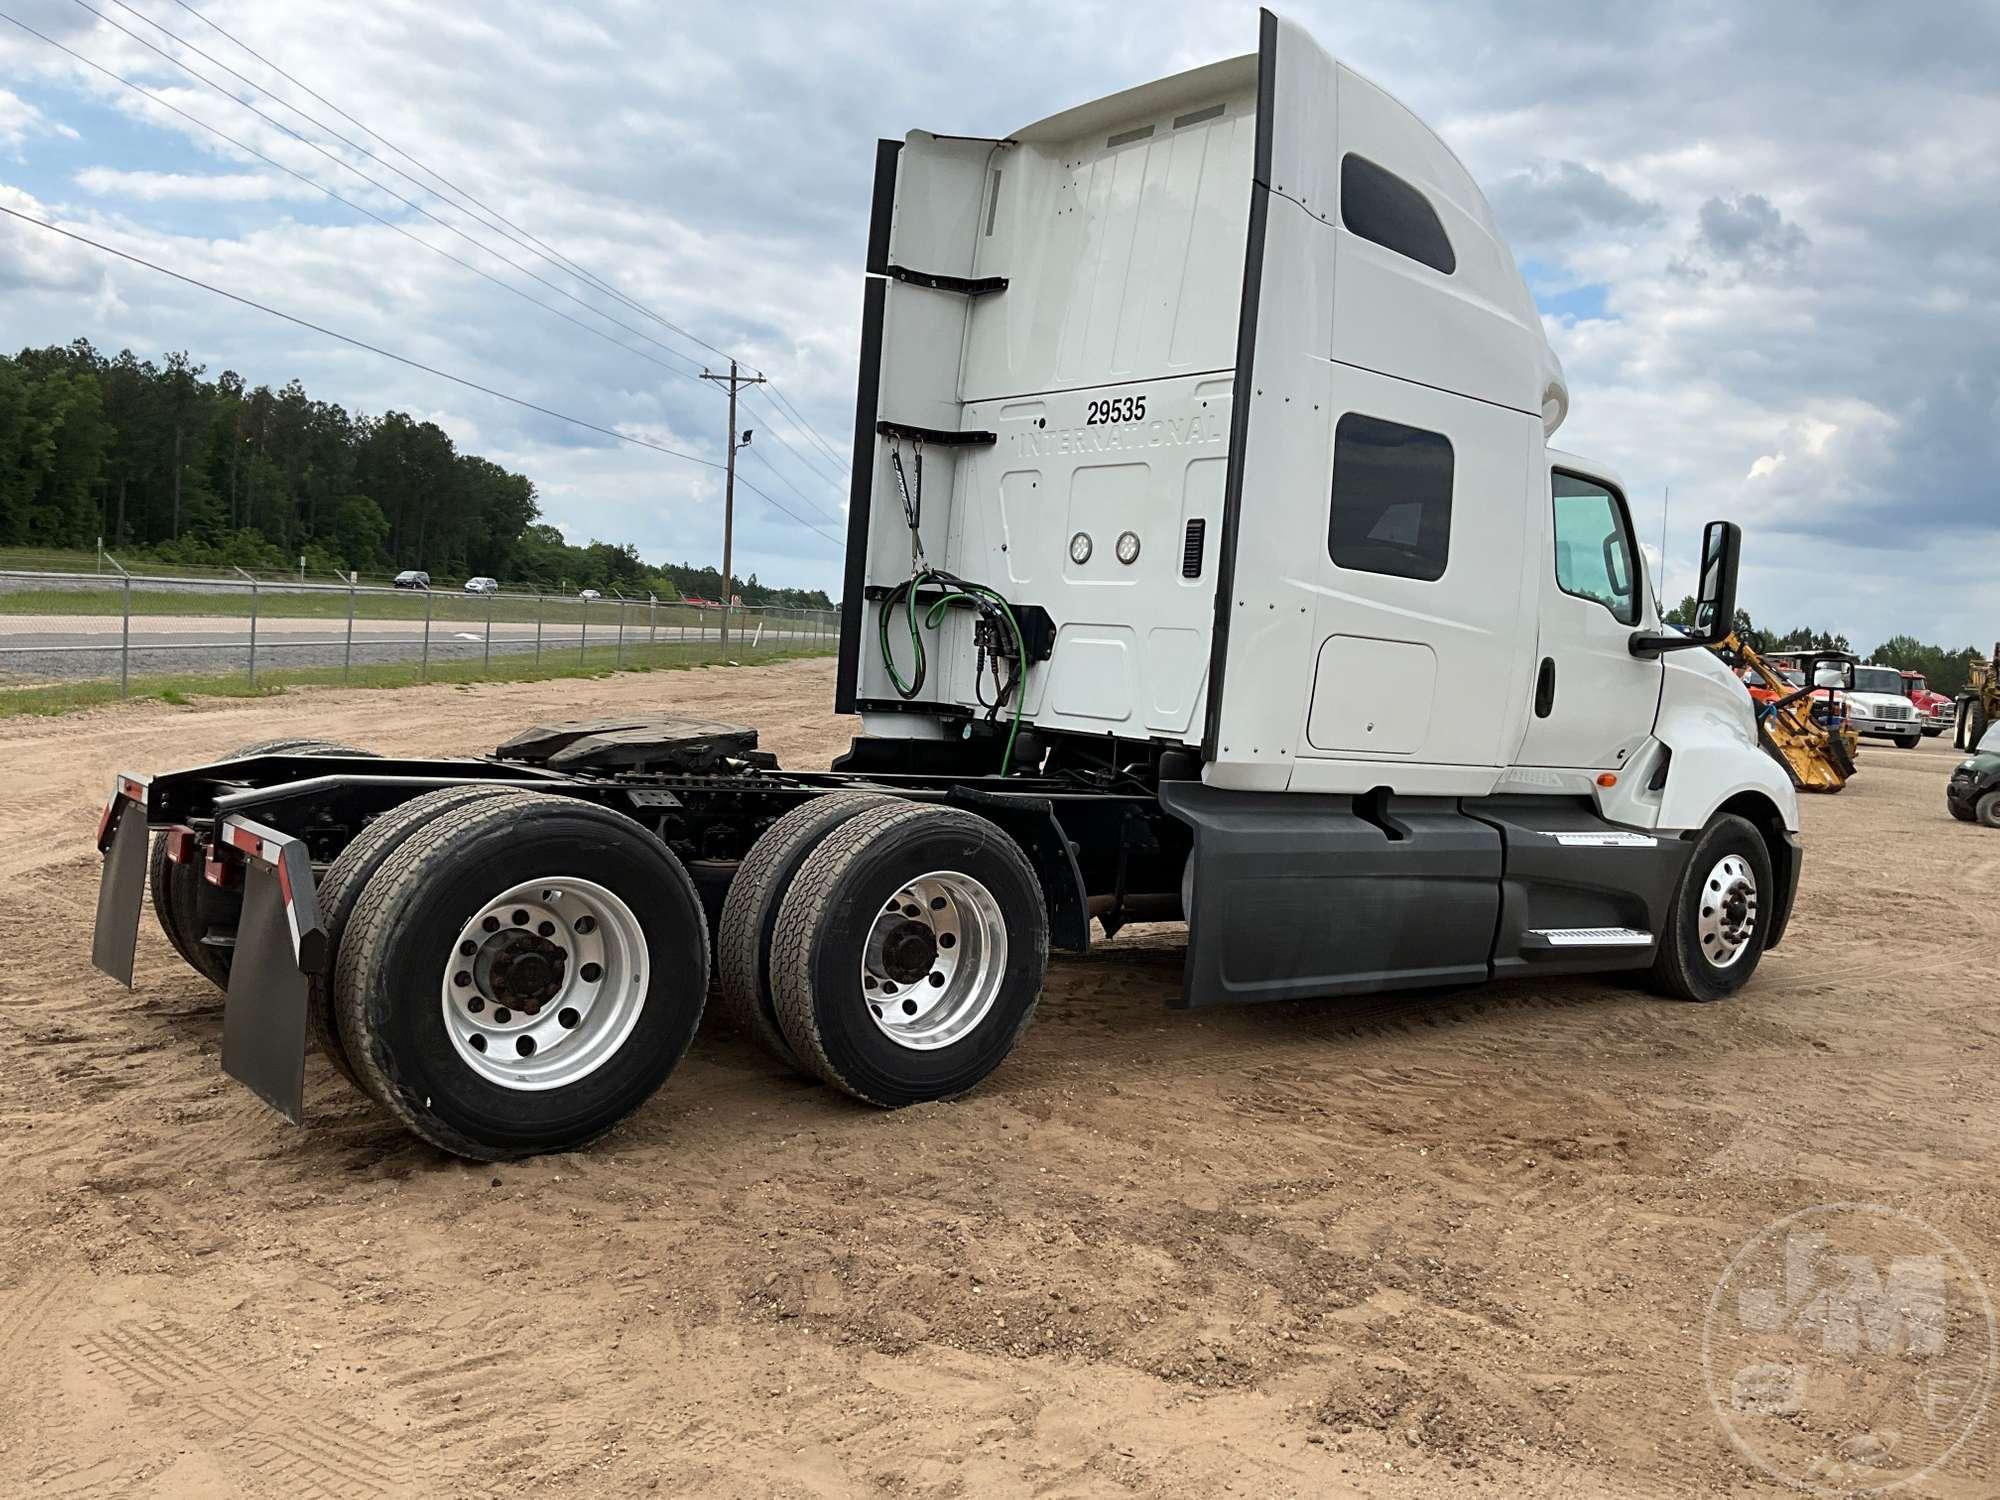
(998, 623)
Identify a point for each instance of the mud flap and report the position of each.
(121, 889)
(279, 942)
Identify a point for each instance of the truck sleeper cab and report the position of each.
(1207, 559)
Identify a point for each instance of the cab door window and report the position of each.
(1595, 558)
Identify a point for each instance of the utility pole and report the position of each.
(736, 440)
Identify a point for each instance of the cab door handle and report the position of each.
(1545, 688)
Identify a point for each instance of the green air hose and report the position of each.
(986, 600)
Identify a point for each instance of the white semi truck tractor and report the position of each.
(1208, 560)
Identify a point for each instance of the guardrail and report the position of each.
(74, 626)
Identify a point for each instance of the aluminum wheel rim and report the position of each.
(1728, 911)
(549, 1022)
(934, 960)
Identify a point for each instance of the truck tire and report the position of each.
(1909, 741)
(1987, 810)
(1974, 720)
(502, 1003)
(750, 915)
(1721, 911)
(341, 888)
(186, 905)
(909, 953)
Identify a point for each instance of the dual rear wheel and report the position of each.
(516, 972)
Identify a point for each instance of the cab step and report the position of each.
(1587, 937)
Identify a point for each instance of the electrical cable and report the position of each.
(527, 241)
(390, 224)
(403, 359)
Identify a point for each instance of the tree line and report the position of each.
(1945, 670)
(170, 467)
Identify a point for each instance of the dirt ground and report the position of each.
(1408, 1248)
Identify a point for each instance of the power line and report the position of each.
(807, 427)
(401, 359)
(387, 223)
(779, 473)
(549, 253)
(372, 182)
(545, 250)
(337, 197)
(378, 218)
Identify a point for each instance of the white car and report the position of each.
(1876, 706)
(482, 585)
(586, 595)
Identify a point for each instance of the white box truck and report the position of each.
(1208, 560)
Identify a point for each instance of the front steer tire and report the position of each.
(871, 888)
(403, 946)
(1729, 851)
(750, 915)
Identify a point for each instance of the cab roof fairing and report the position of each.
(1426, 160)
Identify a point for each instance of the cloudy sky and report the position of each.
(1765, 237)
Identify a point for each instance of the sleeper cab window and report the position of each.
(1391, 498)
(1378, 205)
(1594, 546)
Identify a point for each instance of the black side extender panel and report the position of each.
(1298, 896)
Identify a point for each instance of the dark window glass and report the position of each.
(1594, 546)
(1391, 498)
(1378, 205)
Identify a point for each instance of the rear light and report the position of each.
(224, 866)
(104, 820)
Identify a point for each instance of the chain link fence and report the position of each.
(67, 627)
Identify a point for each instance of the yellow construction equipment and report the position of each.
(1978, 701)
(1813, 748)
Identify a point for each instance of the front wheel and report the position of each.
(1908, 741)
(520, 974)
(909, 953)
(1986, 811)
(1715, 932)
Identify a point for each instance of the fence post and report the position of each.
(539, 602)
(347, 655)
(583, 636)
(652, 620)
(619, 658)
(253, 633)
(489, 632)
(425, 670)
(125, 645)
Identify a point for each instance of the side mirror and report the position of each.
(1715, 596)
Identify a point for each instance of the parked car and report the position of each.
(1973, 793)
(413, 578)
(588, 594)
(482, 585)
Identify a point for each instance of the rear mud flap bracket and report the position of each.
(279, 942)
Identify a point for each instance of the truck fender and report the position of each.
(1031, 823)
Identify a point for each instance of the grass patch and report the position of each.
(466, 611)
(182, 691)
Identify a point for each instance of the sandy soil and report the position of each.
(1423, 1247)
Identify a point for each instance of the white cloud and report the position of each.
(181, 187)
(1830, 193)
